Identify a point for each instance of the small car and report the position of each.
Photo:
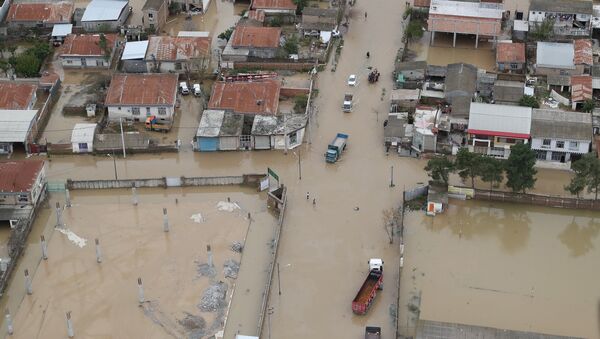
(183, 88)
(197, 90)
(352, 80)
(551, 102)
(313, 32)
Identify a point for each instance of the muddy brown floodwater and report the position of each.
(505, 266)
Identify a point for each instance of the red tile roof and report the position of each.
(166, 48)
(273, 4)
(86, 44)
(142, 89)
(258, 15)
(15, 95)
(248, 36)
(19, 175)
(57, 12)
(259, 97)
(510, 52)
(583, 52)
(581, 87)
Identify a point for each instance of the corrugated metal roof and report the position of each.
(19, 175)
(258, 97)
(210, 123)
(103, 10)
(500, 118)
(549, 123)
(62, 29)
(15, 124)
(510, 52)
(583, 52)
(83, 133)
(581, 88)
(562, 6)
(555, 55)
(135, 50)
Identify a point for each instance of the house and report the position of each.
(194, 6)
(510, 57)
(132, 59)
(508, 92)
(570, 18)
(410, 74)
(493, 129)
(130, 95)
(271, 7)
(424, 138)
(404, 99)
(437, 199)
(18, 127)
(220, 131)
(396, 130)
(464, 17)
(105, 15)
(252, 42)
(17, 95)
(460, 86)
(560, 136)
(581, 89)
(559, 61)
(84, 51)
(22, 183)
(516, 9)
(155, 14)
(319, 19)
(29, 15)
(243, 97)
(253, 18)
(177, 54)
(60, 32)
(82, 138)
(278, 132)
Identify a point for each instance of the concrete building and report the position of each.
(493, 129)
(105, 15)
(560, 61)
(17, 128)
(319, 19)
(516, 9)
(29, 15)
(581, 89)
(132, 59)
(569, 17)
(271, 7)
(17, 95)
(84, 51)
(133, 97)
(560, 136)
(254, 98)
(480, 19)
(60, 32)
(22, 183)
(460, 87)
(220, 131)
(252, 42)
(82, 138)
(507, 92)
(155, 14)
(510, 57)
(177, 54)
(278, 132)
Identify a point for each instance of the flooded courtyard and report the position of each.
(504, 266)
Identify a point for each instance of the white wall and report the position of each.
(75, 62)
(279, 140)
(125, 112)
(583, 147)
(76, 149)
(536, 16)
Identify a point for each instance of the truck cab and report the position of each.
(375, 264)
(372, 332)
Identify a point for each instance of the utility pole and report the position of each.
(122, 137)
(392, 177)
(299, 165)
(278, 279)
(285, 136)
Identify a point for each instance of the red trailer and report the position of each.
(368, 290)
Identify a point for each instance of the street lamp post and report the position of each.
(114, 163)
(299, 165)
(392, 177)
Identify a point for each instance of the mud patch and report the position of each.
(213, 297)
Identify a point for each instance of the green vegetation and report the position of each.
(520, 172)
(301, 4)
(300, 103)
(29, 63)
(414, 30)
(587, 174)
(291, 45)
(468, 164)
(276, 22)
(104, 46)
(439, 169)
(589, 105)
(529, 101)
(174, 8)
(491, 170)
(227, 34)
(543, 31)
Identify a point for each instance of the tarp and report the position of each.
(325, 36)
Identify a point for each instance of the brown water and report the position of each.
(442, 53)
(534, 265)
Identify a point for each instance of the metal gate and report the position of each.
(208, 144)
(173, 181)
(262, 142)
(228, 143)
(56, 186)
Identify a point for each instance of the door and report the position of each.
(228, 143)
(83, 62)
(208, 144)
(519, 15)
(262, 142)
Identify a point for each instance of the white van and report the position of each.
(197, 90)
(183, 88)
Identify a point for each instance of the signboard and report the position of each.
(264, 183)
(273, 174)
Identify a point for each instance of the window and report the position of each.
(558, 156)
(119, 108)
(293, 138)
(147, 110)
(540, 155)
(178, 65)
(514, 66)
(507, 140)
(99, 63)
(546, 143)
(135, 110)
(23, 198)
(560, 144)
(69, 62)
(573, 145)
(162, 111)
(150, 16)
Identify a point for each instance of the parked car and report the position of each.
(312, 32)
(197, 90)
(336, 33)
(352, 80)
(183, 88)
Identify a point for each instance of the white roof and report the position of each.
(521, 25)
(555, 54)
(325, 36)
(210, 123)
(193, 34)
(83, 133)
(103, 10)
(62, 29)
(239, 336)
(15, 124)
(468, 9)
(135, 50)
(500, 118)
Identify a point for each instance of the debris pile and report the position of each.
(237, 246)
(231, 269)
(213, 297)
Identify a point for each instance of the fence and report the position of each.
(305, 66)
(537, 199)
(415, 193)
(246, 179)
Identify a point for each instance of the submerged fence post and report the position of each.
(44, 247)
(140, 291)
(70, 332)
(68, 197)
(98, 251)
(59, 222)
(28, 286)
(165, 220)
(9, 323)
(134, 194)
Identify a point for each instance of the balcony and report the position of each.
(496, 152)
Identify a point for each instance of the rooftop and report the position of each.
(258, 97)
(583, 52)
(260, 37)
(427, 329)
(83, 133)
(153, 4)
(258, 15)
(15, 125)
(277, 125)
(404, 94)
(142, 89)
(273, 4)
(510, 52)
(62, 29)
(166, 48)
(509, 83)
(135, 50)
(104, 10)
(216, 123)
(321, 12)
(466, 9)
(500, 120)
(548, 123)
(581, 88)
(86, 44)
(56, 12)
(555, 54)
(14, 95)
(19, 175)
(562, 6)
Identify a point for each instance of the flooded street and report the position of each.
(534, 265)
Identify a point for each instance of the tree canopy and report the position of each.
(520, 171)
(439, 169)
(468, 164)
(587, 174)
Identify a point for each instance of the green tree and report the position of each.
(103, 43)
(291, 45)
(542, 31)
(11, 49)
(414, 30)
(529, 101)
(4, 66)
(491, 170)
(439, 168)
(300, 5)
(27, 65)
(468, 164)
(587, 174)
(520, 170)
(589, 105)
(276, 22)
(300, 103)
(227, 34)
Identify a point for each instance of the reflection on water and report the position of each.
(578, 236)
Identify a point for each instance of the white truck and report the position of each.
(348, 103)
